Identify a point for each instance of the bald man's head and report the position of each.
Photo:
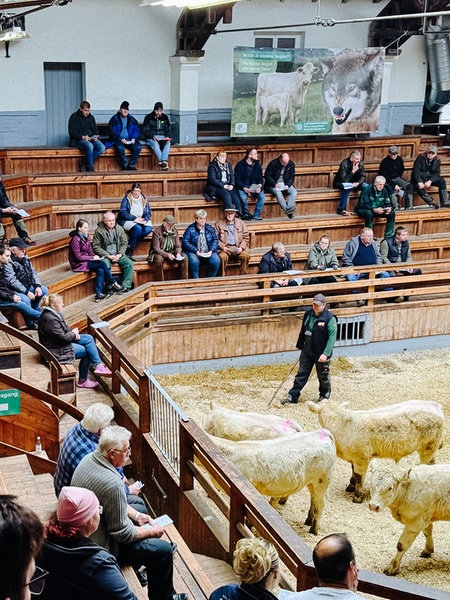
(332, 556)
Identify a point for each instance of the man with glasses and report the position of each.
(130, 535)
(426, 174)
(336, 570)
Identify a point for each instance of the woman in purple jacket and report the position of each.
(83, 259)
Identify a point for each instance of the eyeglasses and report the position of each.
(37, 582)
(126, 451)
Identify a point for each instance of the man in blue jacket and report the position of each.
(249, 182)
(200, 242)
(124, 133)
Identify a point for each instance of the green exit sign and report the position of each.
(9, 402)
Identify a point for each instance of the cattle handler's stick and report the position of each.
(284, 380)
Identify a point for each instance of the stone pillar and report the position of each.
(184, 96)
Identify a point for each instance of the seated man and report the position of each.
(392, 168)
(131, 535)
(84, 135)
(124, 133)
(21, 276)
(158, 134)
(8, 210)
(234, 240)
(395, 249)
(426, 173)
(110, 242)
(375, 201)
(166, 247)
(350, 177)
(362, 250)
(277, 260)
(249, 182)
(279, 181)
(200, 244)
(9, 299)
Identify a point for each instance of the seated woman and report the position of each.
(82, 258)
(220, 183)
(322, 257)
(78, 567)
(255, 560)
(66, 343)
(135, 216)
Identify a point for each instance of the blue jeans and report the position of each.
(101, 269)
(160, 148)
(346, 193)
(91, 151)
(135, 151)
(285, 198)
(29, 313)
(195, 261)
(356, 276)
(261, 198)
(86, 350)
(34, 303)
(136, 233)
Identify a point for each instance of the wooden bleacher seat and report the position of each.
(10, 352)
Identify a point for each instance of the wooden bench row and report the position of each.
(197, 156)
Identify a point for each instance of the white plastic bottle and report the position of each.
(38, 448)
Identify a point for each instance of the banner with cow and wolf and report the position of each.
(281, 91)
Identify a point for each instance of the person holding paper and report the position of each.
(166, 247)
(249, 182)
(8, 210)
(322, 257)
(130, 535)
(220, 183)
(124, 133)
(200, 243)
(350, 177)
(83, 134)
(277, 260)
(375, 202)
(135, 217)
(66, 344)
(279, 181)
(158, 134)
(234, 240)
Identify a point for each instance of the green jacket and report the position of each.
(100, 240)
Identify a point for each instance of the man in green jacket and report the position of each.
(375, 201)
(110, 243)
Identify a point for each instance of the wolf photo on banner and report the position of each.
(285, 92)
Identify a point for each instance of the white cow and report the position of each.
(283, 466)
(294, 84)
(391, 431)
(416, 498)
(277, 103)
(234, 425)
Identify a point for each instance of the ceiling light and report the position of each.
(12, 34)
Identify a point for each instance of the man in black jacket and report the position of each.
(279, 181)
(84, 135)
(8, 210)
(316, 342)
(427, 173)
(158, 134)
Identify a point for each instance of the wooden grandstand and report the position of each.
(45, 182)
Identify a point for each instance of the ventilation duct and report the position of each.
(438, 53)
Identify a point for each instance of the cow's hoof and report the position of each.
(426, 554)
(283, 500)
(350, 488)
(313, 529)
(390, 571)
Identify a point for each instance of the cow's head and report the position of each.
(382, 481)
(306, 72)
